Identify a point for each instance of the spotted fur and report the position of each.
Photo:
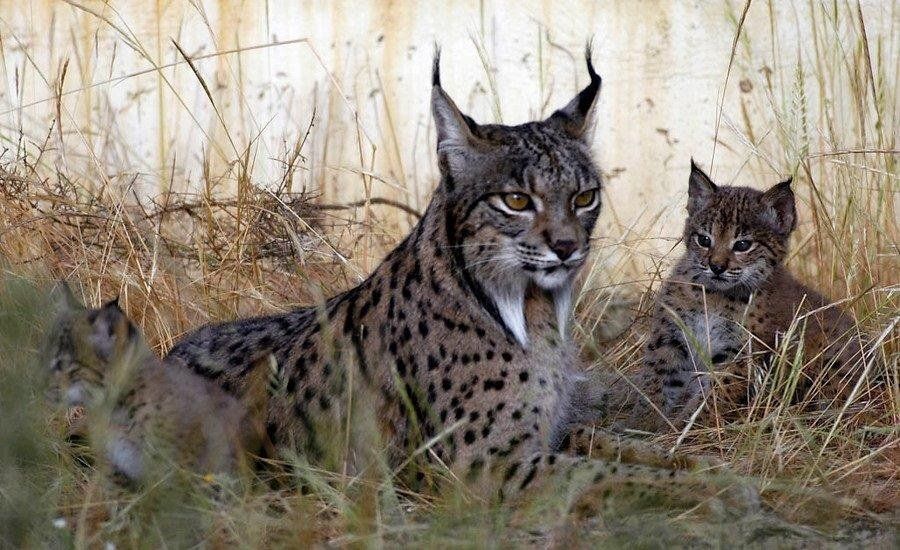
(460, 333)
(730, 296)
(145, 417)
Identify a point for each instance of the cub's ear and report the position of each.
(457, 134)
(110, 330)
(700, 189)
(577, 117)
(63, 299)
(779, 208)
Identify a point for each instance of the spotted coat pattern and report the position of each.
(460, 333)
(141, 416)
(722, 304)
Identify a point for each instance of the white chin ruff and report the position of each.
(510, 301)
(512, 310)
(551, 281)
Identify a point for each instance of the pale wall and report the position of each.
(663, 65)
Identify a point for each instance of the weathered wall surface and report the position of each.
(359, 70)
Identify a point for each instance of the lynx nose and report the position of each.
(716, 268)
(564, 248)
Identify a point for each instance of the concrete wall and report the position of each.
(363, 66)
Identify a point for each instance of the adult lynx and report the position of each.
(460, 334)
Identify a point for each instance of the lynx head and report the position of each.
(521, 201)
(83, 344)
(735, 236)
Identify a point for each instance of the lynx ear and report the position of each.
(110, 329)
(63, 298)
(779, 208)
(576, 118)
(700, 189)
(457, 137)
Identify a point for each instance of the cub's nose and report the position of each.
(716, 268)
(564, 248)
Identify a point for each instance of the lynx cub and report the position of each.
(98, 360)
(730, 293)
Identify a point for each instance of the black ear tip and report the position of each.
(589, 57)
(783, 187)
(436, 67)
(698, 175)
(112, 304)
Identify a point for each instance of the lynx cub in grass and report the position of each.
(142, 413)
(730, 294)
(461, 333)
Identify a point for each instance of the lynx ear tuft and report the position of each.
(436, 67)
(576, 118)
(700, 188)
(457, 134)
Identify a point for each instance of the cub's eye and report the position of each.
(703, 240)
(585, 198)
(517, 201)
(742, 245)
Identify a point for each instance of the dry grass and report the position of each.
(831, 122)
(237, 247)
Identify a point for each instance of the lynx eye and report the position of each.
(517, 201)
(703, 240)
(742, 245)
(585, 198)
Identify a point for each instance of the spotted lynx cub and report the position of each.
(730, 292)
(462, 330)
(155, 414)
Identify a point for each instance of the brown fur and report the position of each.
(461, 333)
(143, 415)
(722, 322)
